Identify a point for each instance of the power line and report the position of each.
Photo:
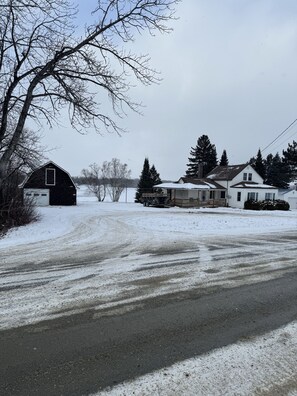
(283, 141)
(282, 133)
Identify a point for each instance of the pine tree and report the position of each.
(224, 159)
(277, 171)
(259, 165)
(148, 178)
(155, 176)
(290, 158)
(203, 156)
(144, 184)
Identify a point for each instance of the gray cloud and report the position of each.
(229, 71)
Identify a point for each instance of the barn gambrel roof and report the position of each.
(42, 166)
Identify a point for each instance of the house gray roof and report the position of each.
(206, 183)
(226, 172)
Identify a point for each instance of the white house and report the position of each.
(242, 183)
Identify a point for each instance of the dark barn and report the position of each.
(50, 185)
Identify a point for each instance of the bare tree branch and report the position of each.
(46, 67)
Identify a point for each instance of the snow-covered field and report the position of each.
(109, 257)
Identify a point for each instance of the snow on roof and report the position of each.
(212, 176)
(201, 184)
(182, 186)
(253, 185)
(210, 185)
(259, 185)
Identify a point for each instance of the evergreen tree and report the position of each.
(144, 184)
(224, 159)
(203, 158)
(155, 176)
(148, 178)
(277, 171)
(290, 158)
(259, 165)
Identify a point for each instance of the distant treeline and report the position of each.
(79, 180)
(133, 183)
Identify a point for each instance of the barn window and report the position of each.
(28, 194)
(50, 177)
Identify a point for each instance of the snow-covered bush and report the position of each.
(277, 204)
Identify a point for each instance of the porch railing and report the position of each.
(196, 203)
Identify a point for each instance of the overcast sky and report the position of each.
(229, 71)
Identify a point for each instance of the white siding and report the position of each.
(232, 192)
(244, 195)
(248, 169)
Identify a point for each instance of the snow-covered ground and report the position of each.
(109, 257)
(264, 365)
(191, 223)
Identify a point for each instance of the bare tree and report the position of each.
(45, 65)
(118, 174)
(28, 153)
(111, 177)
(96, 180)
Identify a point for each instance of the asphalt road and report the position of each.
(77, 355)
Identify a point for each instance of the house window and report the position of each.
(250, 176)
(252, 196)
(50, 177)
(245, 176)
(223, 194)
(270, 196)
(239, 196)
(211, 195)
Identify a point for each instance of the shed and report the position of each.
(290, 196)
(50, 185)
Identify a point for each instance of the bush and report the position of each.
(14, 210)
(253, 205)
(281, 205)
(278, 204)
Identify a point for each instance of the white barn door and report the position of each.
(40, 196)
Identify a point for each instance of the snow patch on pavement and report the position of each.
(264, 365)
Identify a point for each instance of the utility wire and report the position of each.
(282, 133)
(284, 141)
